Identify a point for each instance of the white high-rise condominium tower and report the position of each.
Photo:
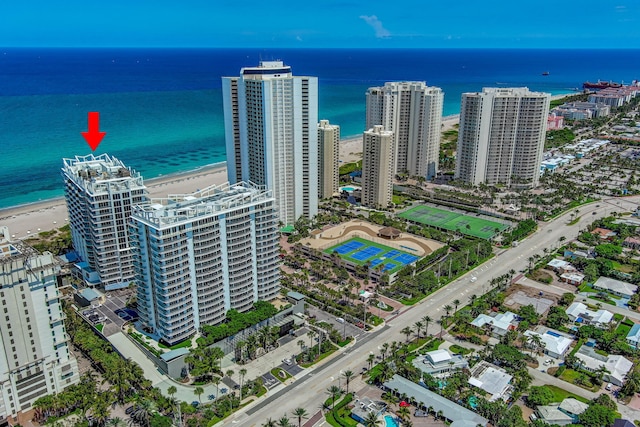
(199, 255)
(34, 357)
(413, 112)
(329, 156)
(377, 167)
(501, 137)
(100, 191)
(271, 120)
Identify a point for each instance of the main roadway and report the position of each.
(308, 391)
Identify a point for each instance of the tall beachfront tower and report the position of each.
(271, 120)
(329, 159)
(199, 255)
(413, 112)
(35, 358)
(501, 138)
(378, 167)
(100, 192)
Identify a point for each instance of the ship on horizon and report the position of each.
(600, 85)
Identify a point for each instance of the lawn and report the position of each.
(559, 394)
(276, 373)
(570, 376)
(365, 252)
(453, 221)
(186, 343)
(624, 268)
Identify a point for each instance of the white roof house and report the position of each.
(633, 337)
(580, 312)
(566, 413)
(555, 345)
(500, 323)
(440, 363)
(573, 406)
(492, 379)
(617, 287)
(559, 264)
(438, 356)
(618, 366)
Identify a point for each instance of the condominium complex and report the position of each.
(271, 120)
(35, 358)
(413, 112)
(328, 158)
(100, 192)
(501, 138)
(199, 255)
(378, 167)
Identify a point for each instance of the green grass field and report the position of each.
(380, 258)
(452, 221)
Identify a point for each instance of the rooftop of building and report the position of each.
(492, 379)
(553, 340)
(580, 310)
(615, 285)
(96, 172)
(212, 200)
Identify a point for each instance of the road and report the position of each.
(309, 391)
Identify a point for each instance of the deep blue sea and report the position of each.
(162, 108)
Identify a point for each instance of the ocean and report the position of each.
(162, 108)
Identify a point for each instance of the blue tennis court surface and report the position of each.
(366, 253)
(406, 258)
(348, 247)
(392, 253)
(388, 267)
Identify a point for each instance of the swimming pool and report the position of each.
(553, 334)
(347, 189)
(390, 421)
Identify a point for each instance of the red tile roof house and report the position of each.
(604, 233)
(632, 242)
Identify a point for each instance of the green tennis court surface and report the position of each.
(361, 251)
(453, 221)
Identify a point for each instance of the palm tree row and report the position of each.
(299, 413)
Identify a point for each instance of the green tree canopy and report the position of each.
(539, 395)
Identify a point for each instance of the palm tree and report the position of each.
(372, 420)
(230, 373)
(383, 350)
(439, 322)
(300, 413)
(404, 413)
(284, 422)
(348, 376)
(456, 303)
(407, 332)
(310, 334)
(426, 320)
(418, 325)
(333, 391)
(216, 381)
(301, 345)
(447, 308)
(172, 390)
(242, 373)
(198, 392)
(142, 414)
(370, 359)
(269, 423)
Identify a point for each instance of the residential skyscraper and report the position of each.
(501, 137)
(199, 255)
(378, 167)
(35, 358)
(329, 159)
(413, 112)
(100, 191)
(271, 120)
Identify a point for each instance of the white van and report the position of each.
(473, 279)
(339, 320)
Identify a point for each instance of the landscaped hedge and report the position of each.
(236, 322)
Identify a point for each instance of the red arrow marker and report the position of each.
(94, 136)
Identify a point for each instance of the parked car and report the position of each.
(286, 361)
(609, 387)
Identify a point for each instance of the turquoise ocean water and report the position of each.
(162, 109)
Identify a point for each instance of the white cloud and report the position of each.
(374, 22)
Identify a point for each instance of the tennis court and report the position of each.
(453, 221)
(361, 251)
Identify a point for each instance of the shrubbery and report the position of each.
(236, 322)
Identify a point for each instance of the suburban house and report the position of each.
(578, 312)
(576, 254)
(632, 242)
(363, 406)
(604, 233)
(617, 365)
(560, 266)
(633, 337)
(567, 412)
(440, 363)
(616, 287)
(575, 278)
(555, 343)
(498, 323)
(456, 414)
(491, 379)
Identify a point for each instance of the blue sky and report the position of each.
(323, 23)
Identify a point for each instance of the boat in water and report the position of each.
(545, 73)
(600, 85)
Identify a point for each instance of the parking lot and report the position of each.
(346, 328)
(107, 313)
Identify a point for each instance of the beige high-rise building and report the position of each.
(378, 166)
(328, 159)
(35, 359)
(501, 138)
(413, 112)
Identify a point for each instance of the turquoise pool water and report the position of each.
(349, 189)
(389, 421)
